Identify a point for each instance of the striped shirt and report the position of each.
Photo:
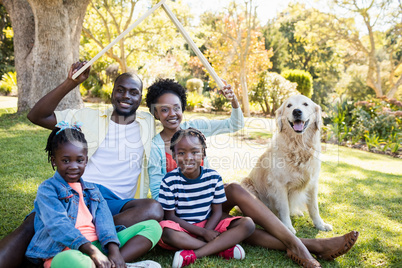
(191, 199)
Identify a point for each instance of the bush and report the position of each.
(270, 92)
(195, 84)
(303, 79)
(195, 100)
(377, 122)
(218, 101)
(8, 84)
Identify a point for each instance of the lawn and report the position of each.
(358, 191)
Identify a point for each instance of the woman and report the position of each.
(166, 100)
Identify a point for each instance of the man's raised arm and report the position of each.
(42, 113)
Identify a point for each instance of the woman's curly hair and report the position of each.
(163, 86)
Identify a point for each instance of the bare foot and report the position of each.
(331, 248)
(300, 254)
(307, 263)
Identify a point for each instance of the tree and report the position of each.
(6, 42)
(320, 57)
(372, 13)
(236, 48)
(46, 43)
(271, 91)
(106, 19)
(275, 40)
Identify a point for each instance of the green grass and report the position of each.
(358, 191)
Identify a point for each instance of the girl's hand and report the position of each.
(228, 92)
(115, 257)
(100, 260)
(210, 235)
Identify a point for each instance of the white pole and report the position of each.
(193, 46)
(132, 26)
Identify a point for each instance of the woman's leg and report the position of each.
(252, 207)
(275, 235)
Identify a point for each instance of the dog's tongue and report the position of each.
(298, 125)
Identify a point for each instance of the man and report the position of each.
(119, 143)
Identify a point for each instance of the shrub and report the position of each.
(218, 101)
(377, 122)
(270, 91)
(194, 100)
(195, 84)
(106, 91)
(303, 79)
(8, 83)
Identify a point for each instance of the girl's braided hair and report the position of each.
(188, 133)
(60, 136)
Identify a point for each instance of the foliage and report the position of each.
(8, 83)
(271, 90)
(353, 84)
(275, 40)
(236, 48)
(144, 48)
(377, 122)
(307, 51)
(367, 48)
(303, 79)
(195, 84)
(218, 101)
(6, 42)
(195, 100)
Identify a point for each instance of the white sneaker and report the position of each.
(235, 252)
(144, 264)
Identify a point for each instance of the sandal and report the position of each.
(350, 240)
(307, 263)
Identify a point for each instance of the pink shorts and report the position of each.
(221, 227)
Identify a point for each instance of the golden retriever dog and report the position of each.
(285, 177)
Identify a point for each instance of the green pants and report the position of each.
(74, 258)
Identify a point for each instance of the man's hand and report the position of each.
(74, 68)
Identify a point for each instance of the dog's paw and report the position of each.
(298, 213)
(324, 227)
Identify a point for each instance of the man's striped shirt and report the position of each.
(191, 199)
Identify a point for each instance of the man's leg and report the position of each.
(14, 245)
(139, 210)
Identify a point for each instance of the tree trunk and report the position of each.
(244, 90)
(23, 24)
(58, 27)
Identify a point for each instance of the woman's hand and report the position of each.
(228, 92)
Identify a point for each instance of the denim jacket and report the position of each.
(56, 207)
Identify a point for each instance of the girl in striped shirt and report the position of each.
(192, 197)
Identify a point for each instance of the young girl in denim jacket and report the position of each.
(73, 224)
